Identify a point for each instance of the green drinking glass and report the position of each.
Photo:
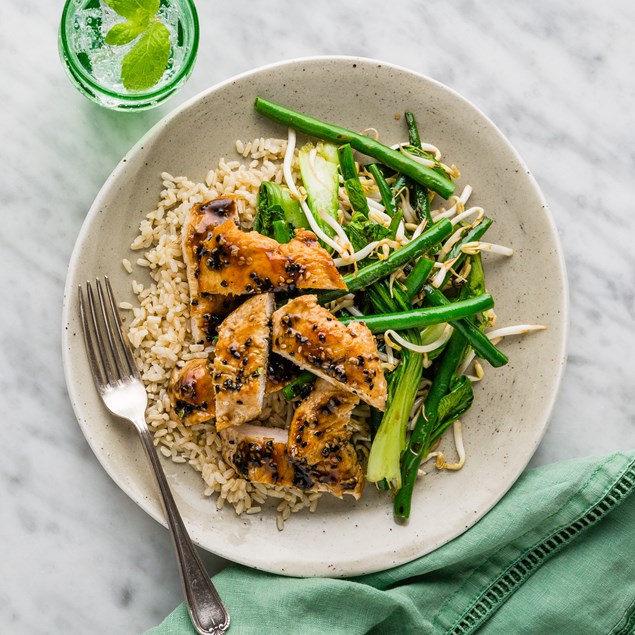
(129, 54)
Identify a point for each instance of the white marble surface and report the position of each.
(77, 556)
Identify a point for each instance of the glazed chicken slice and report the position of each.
(241, 360)
(258, 454)
(321, 422)
(191, 387)
(207, 311)
(191, 392)
(315, 454)
(314, 339)
(237, 262)
(319, 441)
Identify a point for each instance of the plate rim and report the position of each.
(149, 506)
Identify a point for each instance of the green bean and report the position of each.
(398, 161)
(397, 259)
(387, 198)
(418, 276)
(418, 443)
(426, 316)
(413, 131)
(394, 224)
(477, 339)
(352, 183)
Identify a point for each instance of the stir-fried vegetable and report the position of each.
(453, 405)
(413, 131)
(296, 387)
(418, 193)
(414, 276)
(420, 318)
(318, 168)
(400, 257)
(353, 185)
(417, 277)
(418, 443)
(448, 398)
(385, 452)
(277, 213)
(361, 231)
(478, 340)
(387, 198)
(282, 231)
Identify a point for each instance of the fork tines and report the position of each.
(109, 352)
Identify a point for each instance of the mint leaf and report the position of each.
(125, 32)
(144, 65)
(133, 9)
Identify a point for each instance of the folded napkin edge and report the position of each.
(517, 572)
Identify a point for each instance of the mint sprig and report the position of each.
(144, 64)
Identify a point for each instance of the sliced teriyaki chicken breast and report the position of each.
(206, 311)
(319, 441)
(258, 454)
(316, 340)
(241, 360)
(191, 392)
(237, 262)
(315, 454)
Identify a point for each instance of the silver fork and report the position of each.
(119, 384)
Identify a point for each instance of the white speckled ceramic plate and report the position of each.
(512, 405)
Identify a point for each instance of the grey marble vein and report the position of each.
(557, 77)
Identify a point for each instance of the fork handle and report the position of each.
(209, 615)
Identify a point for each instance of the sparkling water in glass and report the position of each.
(95, 66)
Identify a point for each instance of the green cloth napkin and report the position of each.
(555, 556)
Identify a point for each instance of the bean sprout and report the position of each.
(519, 329)
(477, 246)
(391, 336)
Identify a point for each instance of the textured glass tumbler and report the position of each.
(94, 66)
